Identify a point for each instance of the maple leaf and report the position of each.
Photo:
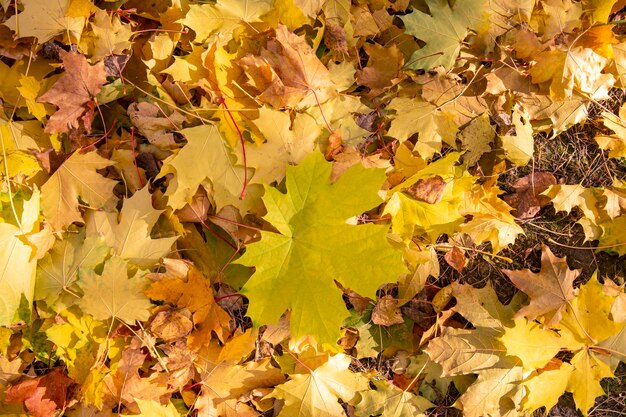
(519, 148)
(43, 395)
(545, 388)
(287, 143)
(131, 237)
(527, 199)
(150, 408)
(113, 294)
(73, 93)
(383, 68)
(531, 343)
(196, 295)
(207, 20)
(77, 338)
(316, 245)
(109, 36)
(584, 381)
(57, 271)
(616, 143)
(588, 316)
(17, 265)
(443, 31)
(476, 137)
(45, 20)
(461, 351)
(317, 394)
(387, 400)
(495, 392)
(416, 116)
(76, 178)
(226, 383)
(214, 170)
(549, 291)
(287, 71)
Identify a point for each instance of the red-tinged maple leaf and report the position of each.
(74, 93)
(42, 395)
(549, 291)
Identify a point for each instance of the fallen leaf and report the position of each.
(387, 312)
(550, 290)
(528, 199)
(317, 393)
(455, 257)
(73, 93)
(304, 239)
(196, 295)
(113, 294)
(130, 237)
(55, 16)
(77, 178)
(43, 395)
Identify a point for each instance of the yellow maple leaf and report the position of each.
(130, 237)
(46, 19)
(113, 294)
(317, 393)
(76, 178)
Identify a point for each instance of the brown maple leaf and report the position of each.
(74, 93)
(527, 199)
(549, 291)
(42, 395)
(287, 70)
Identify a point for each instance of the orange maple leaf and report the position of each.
(196, 295)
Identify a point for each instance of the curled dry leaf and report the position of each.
(387, 312)
(455, 257)
(428, 190)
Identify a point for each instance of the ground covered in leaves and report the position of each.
(312, 208)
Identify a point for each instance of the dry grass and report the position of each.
(574, 158)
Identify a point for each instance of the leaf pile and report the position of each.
(246, 208)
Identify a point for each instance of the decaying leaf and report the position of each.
(528, 199)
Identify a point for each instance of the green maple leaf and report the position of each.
(296, 267)
(113, 294)
(443, 31)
